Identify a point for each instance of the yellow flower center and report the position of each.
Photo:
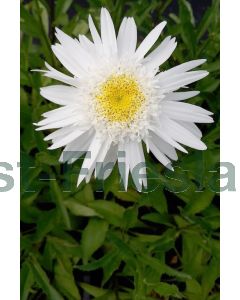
(119, 98)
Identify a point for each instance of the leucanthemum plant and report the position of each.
(119, 99)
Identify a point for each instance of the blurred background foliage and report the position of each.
(96, 242)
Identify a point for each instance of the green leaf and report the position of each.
(68, 246)
(212, 135)
(110, 263)
(166, 290)
(210, 85)
(64, 279)
(210, 275)
(85, 195)
(46, 223)
(193, 290)
(92, 290)
(159, 242)
(93, 237)
(207, 19)
(111, 266)
(44, 16)
(158, 200)
(29, 24)
(27, 281)
(130, 195)
(187, 25)
(78, 209)
(214, 66)
(215, 296)
(110, 296)
(166, 241)
(29, 174)
(62, 6)
(194, 251)
(163, 268)
(43, 282)
(59, 200)
(110, 211)
(125, 251)
(130, 217)
(46, 158)
(186, 11)
(157, 218)
(199, 203)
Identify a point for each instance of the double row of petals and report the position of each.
(173, 127)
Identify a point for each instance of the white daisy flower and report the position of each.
(118, 99)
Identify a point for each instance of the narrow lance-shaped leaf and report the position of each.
(42, 280)
(93, 237)
(65, 280)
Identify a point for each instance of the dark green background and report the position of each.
(95, 242)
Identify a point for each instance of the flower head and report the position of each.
(118, 99)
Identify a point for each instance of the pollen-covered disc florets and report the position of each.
(121, 107)
(119, 99)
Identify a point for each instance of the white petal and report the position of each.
(185, 116)
(62, 141)
(60, 94)
(59, 132)
(136, 159)
(108, 33)
(56, 115)
(143, 170)
(155, 53)
(76, 148)
(149, 40)
(161, 54)
(67, 61)
(174, 82)
(174, 106)
(192, 128)
(71, 120)
(163, 146)
(55, 74)
(182, 135)
(87, 44)
(159, 155)
(74, 50)
(179, 96)
(160, 132)
(127, 37)
(121, 35)
(183, 67)
(89, 162)
(95, 36)
(58, 111)
(109, 162)
(99, 160)
(123, 163)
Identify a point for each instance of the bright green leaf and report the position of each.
(111, 211)
(93, 237)
(43, 281)
(64, 279)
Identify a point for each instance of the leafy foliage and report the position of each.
(96, 241)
